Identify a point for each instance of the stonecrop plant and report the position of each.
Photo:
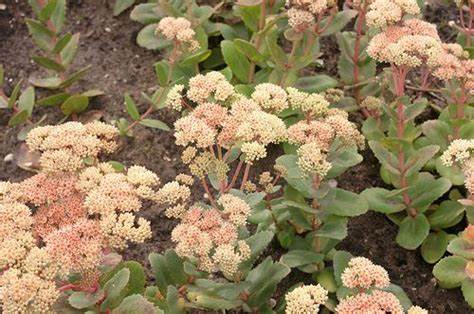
(413, 49)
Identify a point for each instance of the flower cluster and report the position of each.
(362, 273)
(62, 220)
(461, 153)
(316, 134)
(303, 13)
(178, 30)
(211, 236)
(65, 147)
(367, 278)
(305, 299)
(412, 43)
(383, 13)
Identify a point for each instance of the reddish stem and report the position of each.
(235, 176)
(246, 176)
(208, 192)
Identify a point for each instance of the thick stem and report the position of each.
(460, 108)
(208, 192)
(399, 75)
(235, 176)
(246, 176)
(291, 61)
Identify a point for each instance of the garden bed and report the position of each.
(119, 66)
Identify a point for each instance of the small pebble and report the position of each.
(8, 158)
(108, 30)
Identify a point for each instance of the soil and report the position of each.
(119, 66)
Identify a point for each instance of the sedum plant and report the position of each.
(60, 228)
(408, 44)
(362, 287)
(58, 52)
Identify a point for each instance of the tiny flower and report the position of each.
(312, 161)
(362, 273)
(305, 299)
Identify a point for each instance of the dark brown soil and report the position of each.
(119, 66)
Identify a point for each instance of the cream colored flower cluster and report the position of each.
(361, 273)
(316, 134)
(64, 147)
(461, 153)
(367, 278)
(226, 119)
(454, 63)
(27, 282)
(303, 13)
(305, 299)
(179, 30)
(383, 13)
(412, 43)
(211, 236)
(61, 220)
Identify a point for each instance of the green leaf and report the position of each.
(413, 231)
(249, 50)
(340, 261)
(113, 288)
(2, 75)
(437, 132)
(385, 157)
(446, 215)
(53, 82)
(250, 14)
(59, 14)
(379, 200)
(122, 5)
(62, 42)
(131, 107)
(326, 279)
(73, 78)
(47, 10)
(42, 35)
(296, 258)
(400, 294)
(424, 192)
(53, 100)
(343, 203)
(148, 39)
(70, 49)
(263, 281)
(82, 300)
(450, 271)
(75, 104)
(156, 124)
(14, 95)
(237, 61)
(334, 227)
(48, 64)
(147, 13)
(434, 246)
(461, 247)
(135, 304)
(337, 23)
(167, 269)
(420, 158)
(162, 69)
(27, 100)
(467, 288)
(18, 118)
(92, 93)
(316, 83)
(195, 58)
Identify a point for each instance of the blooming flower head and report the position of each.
(209, 87)
(302, 13)
(179, 30)
(415, 309)
(458, 152)
(375, 302)
(312, 161)
(270, 97)
(262, 127)
(192, 130)
(65, 147)
(362, 273)
(383, 13)
(228, 258)
(412, 43)
(313, 104)
(237, 209)
(305, 299)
